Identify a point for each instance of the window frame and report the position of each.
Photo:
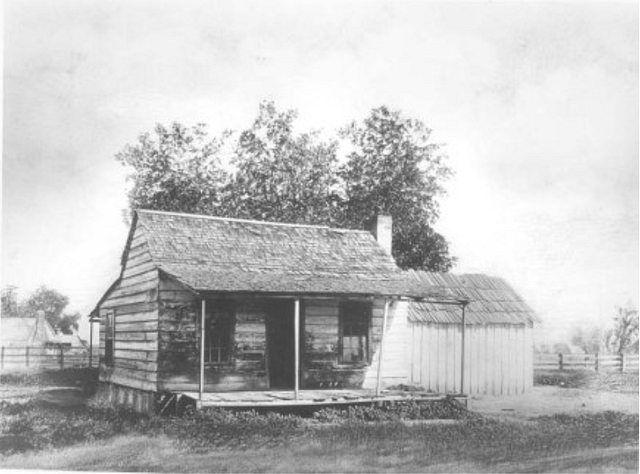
(109, 338)
(217, 310)
(347, 310)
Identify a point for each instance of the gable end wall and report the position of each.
(134, 302)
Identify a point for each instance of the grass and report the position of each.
(83, 378)
(36, 425)
(222, 441)
(588, 379)
(37, 435)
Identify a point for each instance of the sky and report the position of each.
(536, 103)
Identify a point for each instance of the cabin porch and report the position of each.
(305, 398)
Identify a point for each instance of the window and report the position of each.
(354, 332)
(219, 342)
(109, 337)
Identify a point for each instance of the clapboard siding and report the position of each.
(134, 304)
(497, 358)
(132, 271)
(127, 378)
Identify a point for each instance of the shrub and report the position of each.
(33, 426)
(219, 427)
(565, 379)
(403, 410)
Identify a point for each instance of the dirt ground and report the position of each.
(160, 454)
(550, 400)
(65, 397)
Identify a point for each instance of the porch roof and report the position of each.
(230, 255)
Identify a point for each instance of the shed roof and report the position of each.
(26, 332)
(231, 255)
(491, 300)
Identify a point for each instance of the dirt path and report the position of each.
(601, 460)
(549, 400)
(160, 454)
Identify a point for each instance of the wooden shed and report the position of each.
(31, 343)
(496, 341)
(227, 311)
(27, 332)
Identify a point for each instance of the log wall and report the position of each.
(322, 368)
(179, 364)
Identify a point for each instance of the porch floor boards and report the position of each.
(305, 398)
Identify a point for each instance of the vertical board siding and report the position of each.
(528, 357)
(455, 353)
(498, 361)
(489, 365)
(520, 362)
(498, 358)
(471, 360)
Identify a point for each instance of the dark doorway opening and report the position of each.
(281, 344)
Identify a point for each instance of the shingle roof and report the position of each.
(491, 300)
(218, 254)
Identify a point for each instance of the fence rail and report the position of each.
(43, 358)
(597, 362)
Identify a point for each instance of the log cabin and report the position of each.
(228, 312)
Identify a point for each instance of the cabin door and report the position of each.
(281, 344)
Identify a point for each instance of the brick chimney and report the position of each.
(381, 228)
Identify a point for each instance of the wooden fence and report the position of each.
(20, 359)
(597, 362)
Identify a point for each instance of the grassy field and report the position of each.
(42, 435)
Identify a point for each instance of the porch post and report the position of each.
(202, 346)
(90, 342)
(384, 331)
(296, 338)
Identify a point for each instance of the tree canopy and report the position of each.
(283, 176)
(394, 168)
(175, 168)
(625, 329)
(275, 173)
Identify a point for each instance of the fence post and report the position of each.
(597, 358)
(560, 361)
(61, 356)
(26, 356)
(622, 362)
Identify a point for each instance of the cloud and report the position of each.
(536, 102)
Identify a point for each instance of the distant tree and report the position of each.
(51, 302)
(281, 175)
(69, 323)
(175, 169)
(624, 335)
(592, 339)
(395, 168)
(9, 302)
